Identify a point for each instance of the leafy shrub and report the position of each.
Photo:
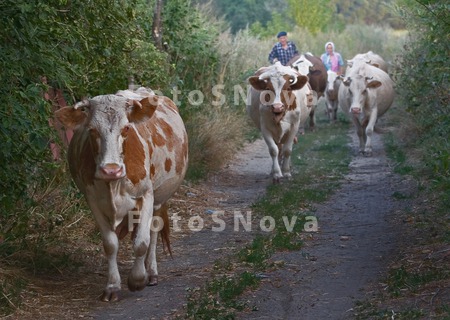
(423, 72)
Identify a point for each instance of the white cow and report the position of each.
(366, 94)
(367, 58)
(277, 103)
(331, 95)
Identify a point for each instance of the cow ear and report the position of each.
(142, 110)
(257, 83)
(373, 84)
(301, 81)
(71, 117)
(346, 81)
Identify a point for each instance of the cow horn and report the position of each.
(294, 79)
(82, 104)
(134, 103)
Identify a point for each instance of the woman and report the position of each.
(332, 60)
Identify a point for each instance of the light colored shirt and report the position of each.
(333, 62)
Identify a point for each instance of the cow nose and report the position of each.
(356, 110)
(277, 107)
(112, 170)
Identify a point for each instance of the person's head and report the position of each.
(329, 47)
(282, 37)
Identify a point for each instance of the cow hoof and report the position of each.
(136, 284)
(110, 295)
(153, 281)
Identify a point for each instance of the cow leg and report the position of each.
(151, 263)
(369, 132)
(138, 278)
(312, 119)
(334, 111)
(111, 247)
(273, 151)
(360, 132)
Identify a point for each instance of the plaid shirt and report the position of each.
(283, 55)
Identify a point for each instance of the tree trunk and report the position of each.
(157, 25)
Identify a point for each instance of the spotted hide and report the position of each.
(277, 103)
(128, 156)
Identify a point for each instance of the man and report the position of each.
(283, 50)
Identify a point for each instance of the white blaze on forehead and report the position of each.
(303, 65)
(276, 75)
(108, 119)
(278, 70)
(331, 78)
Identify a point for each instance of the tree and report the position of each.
(314, 15)
(157, 24)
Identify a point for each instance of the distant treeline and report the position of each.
(281, 13)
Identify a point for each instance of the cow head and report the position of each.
(277, 84)
(358, 86)
(303, 65)
(109, 121)
(332, 84)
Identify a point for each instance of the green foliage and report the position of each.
(277, 23)
(314, 15)
(424, 74)
(266, 18)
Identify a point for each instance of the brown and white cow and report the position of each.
(277, 102)
(128, 156)
(331, 95)
(365, 94)
(313, 67)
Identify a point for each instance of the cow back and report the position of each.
(318, 76)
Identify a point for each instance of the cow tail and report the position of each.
(165, 231)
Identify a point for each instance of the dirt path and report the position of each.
(338, 265)
(333, 270)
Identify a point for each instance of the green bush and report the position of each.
(423, 72)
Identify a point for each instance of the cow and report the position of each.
(366, 94)
(128, 155)
(313, 67)
(331, 95)
(369, 58)
(277, 102)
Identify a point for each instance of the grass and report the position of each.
(319, 161)
(416, 285)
